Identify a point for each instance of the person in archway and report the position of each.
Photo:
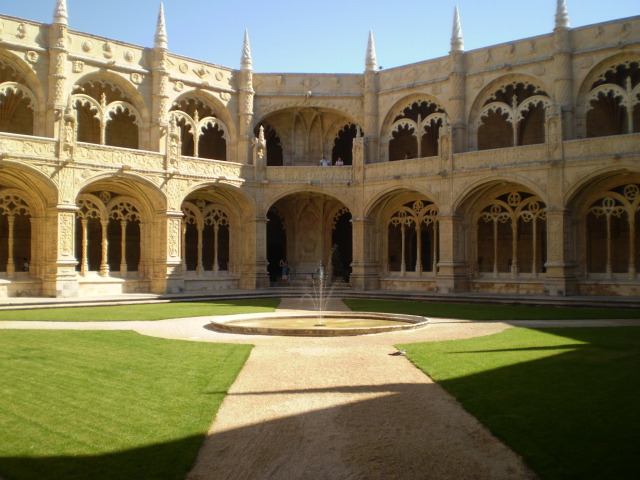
(285, 270)
(339, 162)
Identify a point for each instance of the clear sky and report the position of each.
(324, 36)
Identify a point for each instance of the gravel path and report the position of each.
(339, 408)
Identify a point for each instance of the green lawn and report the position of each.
(489, 312)
(107, 405)
(566, 399)
(152, 311)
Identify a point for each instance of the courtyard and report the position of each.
(353, 407)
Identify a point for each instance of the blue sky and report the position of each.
(326, 36)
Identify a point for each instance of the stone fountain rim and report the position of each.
(228, 323)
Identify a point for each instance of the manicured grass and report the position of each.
(152, 311)
(489, 312)
(566, 399)
(77, 405)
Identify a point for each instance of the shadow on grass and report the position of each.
(570, 415)
(163, 461)
(399, 431)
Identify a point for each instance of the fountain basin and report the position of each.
(307, 324)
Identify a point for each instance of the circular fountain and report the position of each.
(317, 324)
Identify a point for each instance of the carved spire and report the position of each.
(161, 30)
(457, 42)
(60, 13)
(371, 61)
(246, 63)
(562, 15)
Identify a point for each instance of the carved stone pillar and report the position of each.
(11, 266)
(457, 101)
(84, 264)
(560, 278)
(253, 265)
(104, 262)
(60, 279)
(58, 54)
(563, 84)
(175, 252)
(371, 116)
(364, 270)
(123, 248)
(453, 270)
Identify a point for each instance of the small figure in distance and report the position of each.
(339, 162)
(324, 162)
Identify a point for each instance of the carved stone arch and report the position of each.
(8, 118)
(306, 133)
(609, 97)
(38, 188)
(210, 133)
(121, 107)
(508, 225)
(486, 103)
(129, 90)
(307, 189)
(406, 134)
(597, 72)
(583, 193)
(220, 110)
(606, 212)
(216, 209)
(192, 214)
(99, 206)
(351, 109)
(127, 208)
(388, 197)
(25, 76)
(14, 202)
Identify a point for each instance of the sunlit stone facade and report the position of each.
(509, 169)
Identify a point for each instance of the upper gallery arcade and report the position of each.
(508, 169)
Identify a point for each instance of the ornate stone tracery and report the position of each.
(415, 132)
(414, 227)
(612, 106)
(612, 240)
(514, 115)
(198, 216)
(518, 218)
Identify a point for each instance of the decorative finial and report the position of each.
(562, 15)
(161, 30)
(246, 63)
(60, 13)
(371, 61)
(457, 42)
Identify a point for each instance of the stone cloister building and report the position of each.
(509, 169)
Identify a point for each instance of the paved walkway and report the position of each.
(338, 408)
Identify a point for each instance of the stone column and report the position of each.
(560, 278)
(563, 68)
(61, 279)
(453, 270)
(254, 272)
(371, 116)
(364, 270)
(457, 101)
(175, 249)
(58, 53)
